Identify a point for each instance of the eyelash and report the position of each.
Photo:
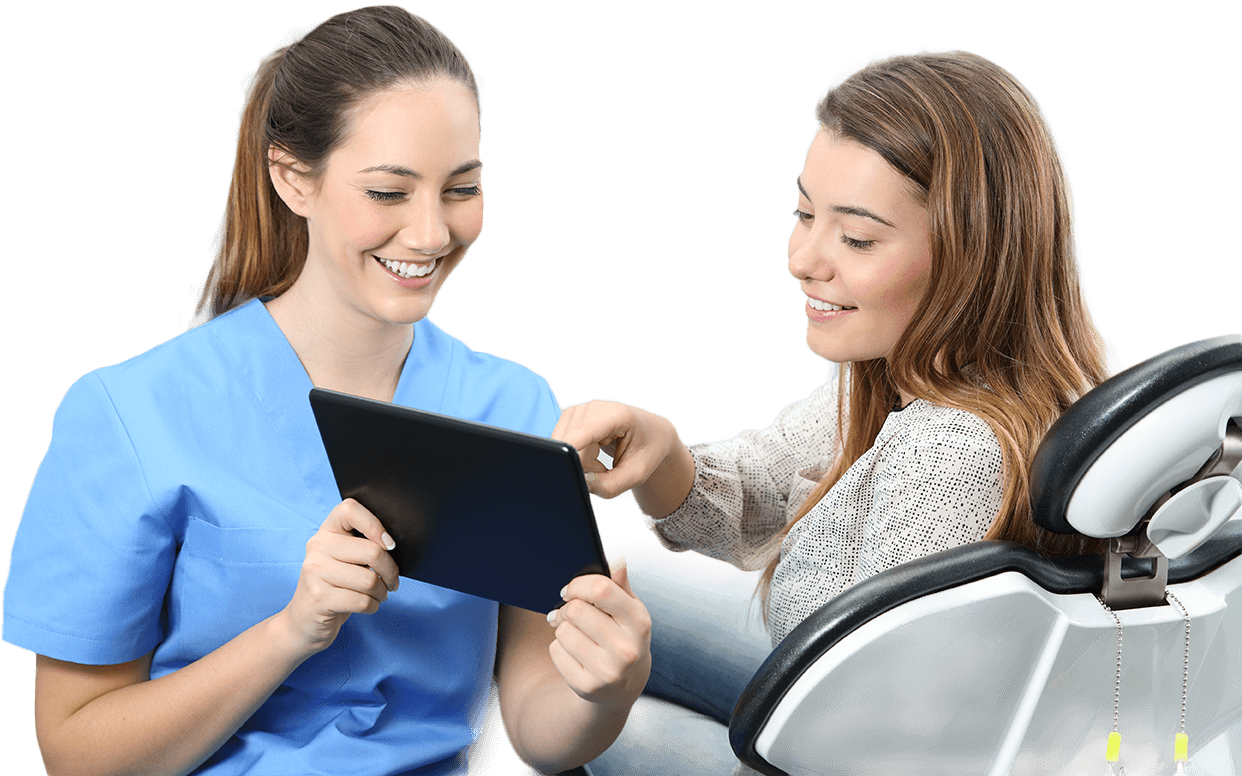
(858, 245)
(393, 196)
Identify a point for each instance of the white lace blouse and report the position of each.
(931, 481)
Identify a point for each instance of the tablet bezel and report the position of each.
(373, 446)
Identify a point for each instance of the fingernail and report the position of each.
(551, 616)
(564, 590)
(590, 478)
(616, 564)
(387, 541)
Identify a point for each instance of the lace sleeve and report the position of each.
(742, 487)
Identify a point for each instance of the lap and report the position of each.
(664, 739)
(705, 646)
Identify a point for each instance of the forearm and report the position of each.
(670, 483)
(555, 730)
(168, 725)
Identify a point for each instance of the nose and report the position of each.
(808, 256)
(426, 230)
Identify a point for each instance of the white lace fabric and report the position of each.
(931, 481)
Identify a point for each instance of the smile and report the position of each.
(822, 306)
(409, 269)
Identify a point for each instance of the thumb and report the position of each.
(620, 573)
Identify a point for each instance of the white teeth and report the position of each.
(824, 306)
(408, 269)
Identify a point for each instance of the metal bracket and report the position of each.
(1135, 591)
(1228, 457)
(1148, 589)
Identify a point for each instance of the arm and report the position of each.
(566, 690)
(647, 455)
(114, 719)
(726, 499)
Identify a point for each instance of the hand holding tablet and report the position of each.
(474, 508)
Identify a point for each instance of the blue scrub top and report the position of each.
(172, 512)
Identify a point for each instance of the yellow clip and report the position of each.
(1180, 744)
(1114, 747)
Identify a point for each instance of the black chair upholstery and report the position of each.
(1086, 429)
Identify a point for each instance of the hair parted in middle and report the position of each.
(300, 103)
(1002, 330)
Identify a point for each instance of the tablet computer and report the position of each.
(477, 509)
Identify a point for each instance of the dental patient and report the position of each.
(937, 255)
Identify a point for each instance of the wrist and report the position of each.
(670, 484)
(291, 644)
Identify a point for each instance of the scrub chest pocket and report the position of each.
(227, 579)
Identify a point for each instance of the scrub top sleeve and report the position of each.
(93, 554)
(545, 411)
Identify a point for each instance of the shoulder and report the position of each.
(189, 356)
(816, 414)
(167, 383)
(945, 438)
(159, 370)
(485, 387)
(927, 418)
(474, 364)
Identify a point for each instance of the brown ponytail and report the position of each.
(264, 243)
(299, 103)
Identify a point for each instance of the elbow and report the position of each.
(54, 760)
(61, 757)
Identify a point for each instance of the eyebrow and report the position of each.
(849, 210)
(406, 172)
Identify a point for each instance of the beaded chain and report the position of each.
(1113, 752)
(1180, 741)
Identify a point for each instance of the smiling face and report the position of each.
(860, 250)
(398, 203)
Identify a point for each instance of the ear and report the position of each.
(290, 179)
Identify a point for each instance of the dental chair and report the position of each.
(991, 659)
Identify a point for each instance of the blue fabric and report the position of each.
(172, 512)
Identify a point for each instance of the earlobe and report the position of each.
(289, 180)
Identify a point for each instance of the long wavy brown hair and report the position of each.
(1002, 330)
(300, 103)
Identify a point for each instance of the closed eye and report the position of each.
(858, 245)
(385, 196)
(394, 196)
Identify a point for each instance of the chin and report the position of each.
(837, 351)
(403, 311)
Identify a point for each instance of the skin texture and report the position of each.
(876, 264)
(353, 216)
(860, 242)
(566, 686)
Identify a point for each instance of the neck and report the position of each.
(341, 348)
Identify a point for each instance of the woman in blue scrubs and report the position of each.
(199, 598)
